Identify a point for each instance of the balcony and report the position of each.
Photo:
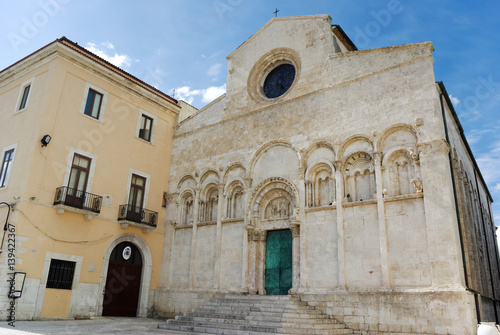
(137, 217)
(75, 201)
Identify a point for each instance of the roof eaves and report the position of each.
(67, 42)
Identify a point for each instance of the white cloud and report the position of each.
(475, 135)
(109, 45)
(455, 101)
(207, 94)
(214, 70)
(212, 55)
(497, 187)
(116, 59)
(213, 92)
(489, 163)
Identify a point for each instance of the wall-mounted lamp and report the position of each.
(17, 289)
(45, 140)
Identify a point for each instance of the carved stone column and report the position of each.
(251, 261)
(256, 252)
(299, 244)
(169, 241)
(192, 258)
(340, 224)
(220, 216)
(382, 226)
(295, 228)
(246, 237)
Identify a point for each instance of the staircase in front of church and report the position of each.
(257, 315)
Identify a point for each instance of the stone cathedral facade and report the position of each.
(352, 164)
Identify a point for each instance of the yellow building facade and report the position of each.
(85, 196)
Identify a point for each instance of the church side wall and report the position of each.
(476, 221)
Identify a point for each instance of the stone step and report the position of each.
(260, 323)
(296, 314)
(263, 297)
(274, 309)
(240, 314)
(268, 304)
(193, 329)
(225, 319)
(232, 302)
(257, 315)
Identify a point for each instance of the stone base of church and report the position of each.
(377, 313)
(368, 313)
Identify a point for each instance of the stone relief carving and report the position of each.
(433, 147)
(414, 155)
(417, 184)
(278, 208)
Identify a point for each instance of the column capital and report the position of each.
(248, 182)
(257, 235)
(171, 198)
(338, 165)
(431, 148)
(295, 228)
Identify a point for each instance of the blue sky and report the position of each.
(183, 45)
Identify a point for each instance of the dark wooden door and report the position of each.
(278, 262)
(123, 282)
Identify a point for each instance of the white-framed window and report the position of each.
(137, 189)
(24, 96)
(146, 126)
(94, 102)
(80, 170)
(49, 266)
(7, 157)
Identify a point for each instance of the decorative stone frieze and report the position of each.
(436, 147)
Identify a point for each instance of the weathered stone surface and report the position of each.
(353, 159)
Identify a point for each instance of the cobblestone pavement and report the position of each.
(104, 325)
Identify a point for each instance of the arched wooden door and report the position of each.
(123, 282)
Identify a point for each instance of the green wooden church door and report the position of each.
(278, 262)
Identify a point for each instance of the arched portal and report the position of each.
(274, 245)
(123, 281)
(145, 280)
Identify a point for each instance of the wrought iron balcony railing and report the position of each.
(138, 215)
(78, 199)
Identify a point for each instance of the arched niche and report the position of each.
(186, 182)
(234, 171)
(397, 136)
(209, 203)
(276, 158)
(320, 184)
(401, 173)
(359, 176)
(234, 198)
(186, 207)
